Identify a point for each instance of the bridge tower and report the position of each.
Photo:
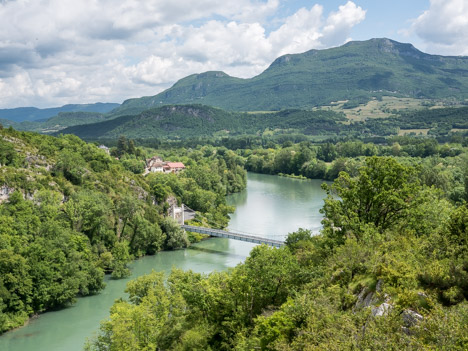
(178, 213)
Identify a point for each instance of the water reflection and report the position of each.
(277, 206)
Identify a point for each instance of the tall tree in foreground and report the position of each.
(381, 195)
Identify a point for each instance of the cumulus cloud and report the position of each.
(340, 23)
(444, 27)
(54, 52)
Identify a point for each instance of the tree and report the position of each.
(382, 194)
(175, 236)
(127, 207)
(146, 237)
(121, 146)
(72, 166)
(121, 257)
(327, 152)
(293, 240)
(283, 161)
(131, 149)
(8, 154)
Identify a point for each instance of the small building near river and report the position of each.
(156, 164)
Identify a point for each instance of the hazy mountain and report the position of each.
(21, 114)
(356, 71)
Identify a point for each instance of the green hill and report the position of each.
(69, 213)
(185, 121)
(355, 71)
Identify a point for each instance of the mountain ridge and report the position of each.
(355, 70)
(33, 114)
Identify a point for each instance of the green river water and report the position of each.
(271, 206)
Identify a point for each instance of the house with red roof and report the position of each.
(174, 167)
(157, 165)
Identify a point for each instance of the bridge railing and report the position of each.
(233, 235)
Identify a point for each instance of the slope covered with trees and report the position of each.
(70, 213)
(189, 121)
(199, 121)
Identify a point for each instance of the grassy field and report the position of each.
(402, 132)
(383, 108)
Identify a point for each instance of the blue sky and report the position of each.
(383, 17)
(54, 52)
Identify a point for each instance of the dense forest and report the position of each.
(71, 213)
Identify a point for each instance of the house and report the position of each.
(156, 164)
(174, 167)
(105, 148)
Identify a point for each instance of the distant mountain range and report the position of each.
(356, 71)
(31, 114)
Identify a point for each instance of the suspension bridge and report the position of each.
(183, 213)
(233, 235)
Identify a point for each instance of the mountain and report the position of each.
(57, 123)
(21, 114)
(356, 71)
(185, 121)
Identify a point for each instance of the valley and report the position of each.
(356, 156)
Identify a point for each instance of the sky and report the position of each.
(56, 52)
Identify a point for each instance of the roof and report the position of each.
(157, 164)
(175, 164)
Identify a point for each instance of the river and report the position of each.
(271, 206)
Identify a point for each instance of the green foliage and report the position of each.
(324, 292)
(189, 121)
(382, 195)
(8, 154)
(176, 237)
(70, 213)
(296, 239)
(121, 256)
(72, 166)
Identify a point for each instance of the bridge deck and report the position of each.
(232, 235)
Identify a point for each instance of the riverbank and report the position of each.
(68, 329)
(293, 176)
(269, 206)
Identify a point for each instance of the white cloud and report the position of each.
(54, 52)
(444, 27)
(300, 32)
(340, 23)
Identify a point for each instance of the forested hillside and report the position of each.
(199, 121)
(189, 121)
(70, 213)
